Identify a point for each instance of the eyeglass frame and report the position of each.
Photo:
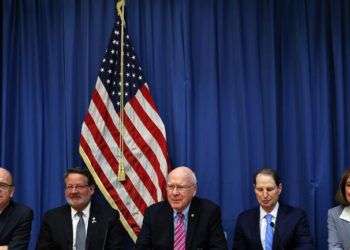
(5, 187)
(76, 187)
(180, 188)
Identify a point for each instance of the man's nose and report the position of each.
(176, 191)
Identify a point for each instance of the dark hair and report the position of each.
(81, 171)
(268, 171)
(340, 197)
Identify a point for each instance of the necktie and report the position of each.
(180, 233)
(80, 233)
(269, 232)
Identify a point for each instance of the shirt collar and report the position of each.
(273, 212)
(85, 211)
(184, 212)
(345, 214)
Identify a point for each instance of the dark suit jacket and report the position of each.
(104, 230)
(291, 230)
(15, 226)
(204, 230)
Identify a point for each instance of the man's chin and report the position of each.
(176, 207)
(75, 203)
(78, 206)
(267, 208)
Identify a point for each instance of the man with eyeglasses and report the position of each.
(184, 221)
(81, 224)
(271, 225)
(15, 219)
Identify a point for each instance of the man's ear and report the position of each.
(92, 189)
(280, 187)
(12, 192)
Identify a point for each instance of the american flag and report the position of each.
(145, 153)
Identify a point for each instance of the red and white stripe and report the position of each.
(145, 153)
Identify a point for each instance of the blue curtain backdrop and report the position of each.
(239, 84)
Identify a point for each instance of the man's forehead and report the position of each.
(267, 185)
(264, 178)
(5, 176)
(75, 177)
(265, 181)
(179, 178)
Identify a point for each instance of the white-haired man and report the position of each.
(184, 221)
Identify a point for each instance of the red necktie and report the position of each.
(180, 233)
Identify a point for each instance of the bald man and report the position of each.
(184, 221)
(15, 219)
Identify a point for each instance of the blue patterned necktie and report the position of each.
(269, 232)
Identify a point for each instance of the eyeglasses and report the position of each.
(178, 187)
(76, 187)
(5, 186)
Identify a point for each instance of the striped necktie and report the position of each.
(180, 233)
(269, 232)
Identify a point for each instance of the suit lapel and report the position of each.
(281, 214)
(256, 230)
(5, 216)
(3, 222)
(193, 218)
(93, 225)
(169, 214)
(67, 227)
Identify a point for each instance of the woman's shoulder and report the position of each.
(336, 211)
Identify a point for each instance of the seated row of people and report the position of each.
(183, 221)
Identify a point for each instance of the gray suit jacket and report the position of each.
(339, 228)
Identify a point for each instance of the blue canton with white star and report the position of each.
(110, 68)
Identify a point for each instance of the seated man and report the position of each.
(271, 225)
(184, 221)
(15, 219)
(81, 224)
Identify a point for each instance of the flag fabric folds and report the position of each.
(143, 148)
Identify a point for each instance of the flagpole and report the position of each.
(121, 170)
(141, 155)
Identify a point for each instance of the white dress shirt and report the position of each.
(75, 220)
(263, 223)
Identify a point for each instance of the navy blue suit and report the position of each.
(104, 230)
(292, 230)
(15, 226)
(204, 230)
